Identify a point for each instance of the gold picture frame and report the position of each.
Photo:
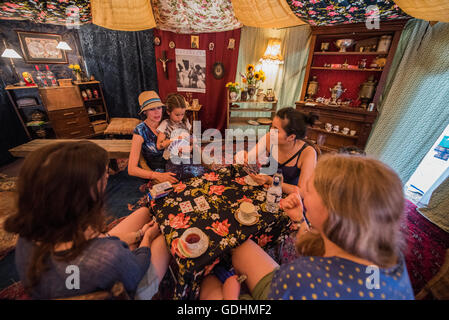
(194, 42)
(40, 47)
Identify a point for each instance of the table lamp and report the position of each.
(11, 54)
(273, 52)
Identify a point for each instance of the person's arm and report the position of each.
(133, 161)
(256, 154)
(307, 166)
(162, 141)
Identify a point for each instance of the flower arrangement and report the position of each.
(233, 86)
(76, 70)
(252, 77)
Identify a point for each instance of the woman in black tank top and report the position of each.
(297, 157)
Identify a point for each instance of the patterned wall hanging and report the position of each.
(195, 16)
(333, 12)
(49, 11)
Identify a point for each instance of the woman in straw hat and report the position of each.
(145, 140)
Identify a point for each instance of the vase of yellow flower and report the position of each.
(233, 88)
(252, 79)
(76, 69)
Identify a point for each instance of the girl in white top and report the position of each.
(176, 129)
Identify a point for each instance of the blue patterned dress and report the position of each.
(333, 278)
(149, 151)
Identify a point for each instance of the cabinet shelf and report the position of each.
(346, 69)
(30, 106)
(351, 53)
(250, 110)
(334, 133)
(252, 101)
(97, 114)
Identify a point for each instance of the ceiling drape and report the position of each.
(123, 15)
(265, 13)
(430, 10)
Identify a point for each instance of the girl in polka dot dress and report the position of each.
(352, 248)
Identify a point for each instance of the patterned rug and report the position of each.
(7, 206)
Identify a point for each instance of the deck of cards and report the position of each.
(160, 190)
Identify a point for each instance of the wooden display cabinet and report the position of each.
(332, 66)
(94, 104)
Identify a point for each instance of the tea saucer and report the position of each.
(248, 222)
(203, 243)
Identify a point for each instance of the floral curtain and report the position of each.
(195, 16)
(47, 11)
(333, 12)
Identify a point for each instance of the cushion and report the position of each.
(122, 126)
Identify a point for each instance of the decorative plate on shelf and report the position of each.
(264, 121)
(253, 123)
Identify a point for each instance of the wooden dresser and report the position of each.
(66, 112)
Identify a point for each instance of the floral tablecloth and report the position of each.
(224, 190)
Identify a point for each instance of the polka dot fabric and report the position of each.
(318, 278)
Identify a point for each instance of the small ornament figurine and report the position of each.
(231, 43)
(157, 41)
(211, 46)
(84, 95)
(29, 82)
(95, 93)
(89, 93)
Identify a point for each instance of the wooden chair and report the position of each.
(117, 292)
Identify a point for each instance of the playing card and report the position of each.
(186, 206)
(202, 203)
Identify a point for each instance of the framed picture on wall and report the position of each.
(41, 47)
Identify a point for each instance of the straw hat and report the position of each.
(149, 100)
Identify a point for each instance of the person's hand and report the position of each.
(261, 179)
(231, 288)
(292, 206)
(160, 177)
(151, 231)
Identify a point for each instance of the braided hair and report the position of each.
(174, 101)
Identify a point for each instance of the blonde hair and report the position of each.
(365, 201)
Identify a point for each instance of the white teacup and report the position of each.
(345, 131)
(352, 132)
(336, 128)
(328, 127)
(247, 210)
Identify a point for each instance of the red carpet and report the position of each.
(426, 245)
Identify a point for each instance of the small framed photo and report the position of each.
(218, 70)
(41, 47)
(195, 42)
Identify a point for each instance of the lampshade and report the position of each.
(10, 53)
(273, 52)
(63, 46)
